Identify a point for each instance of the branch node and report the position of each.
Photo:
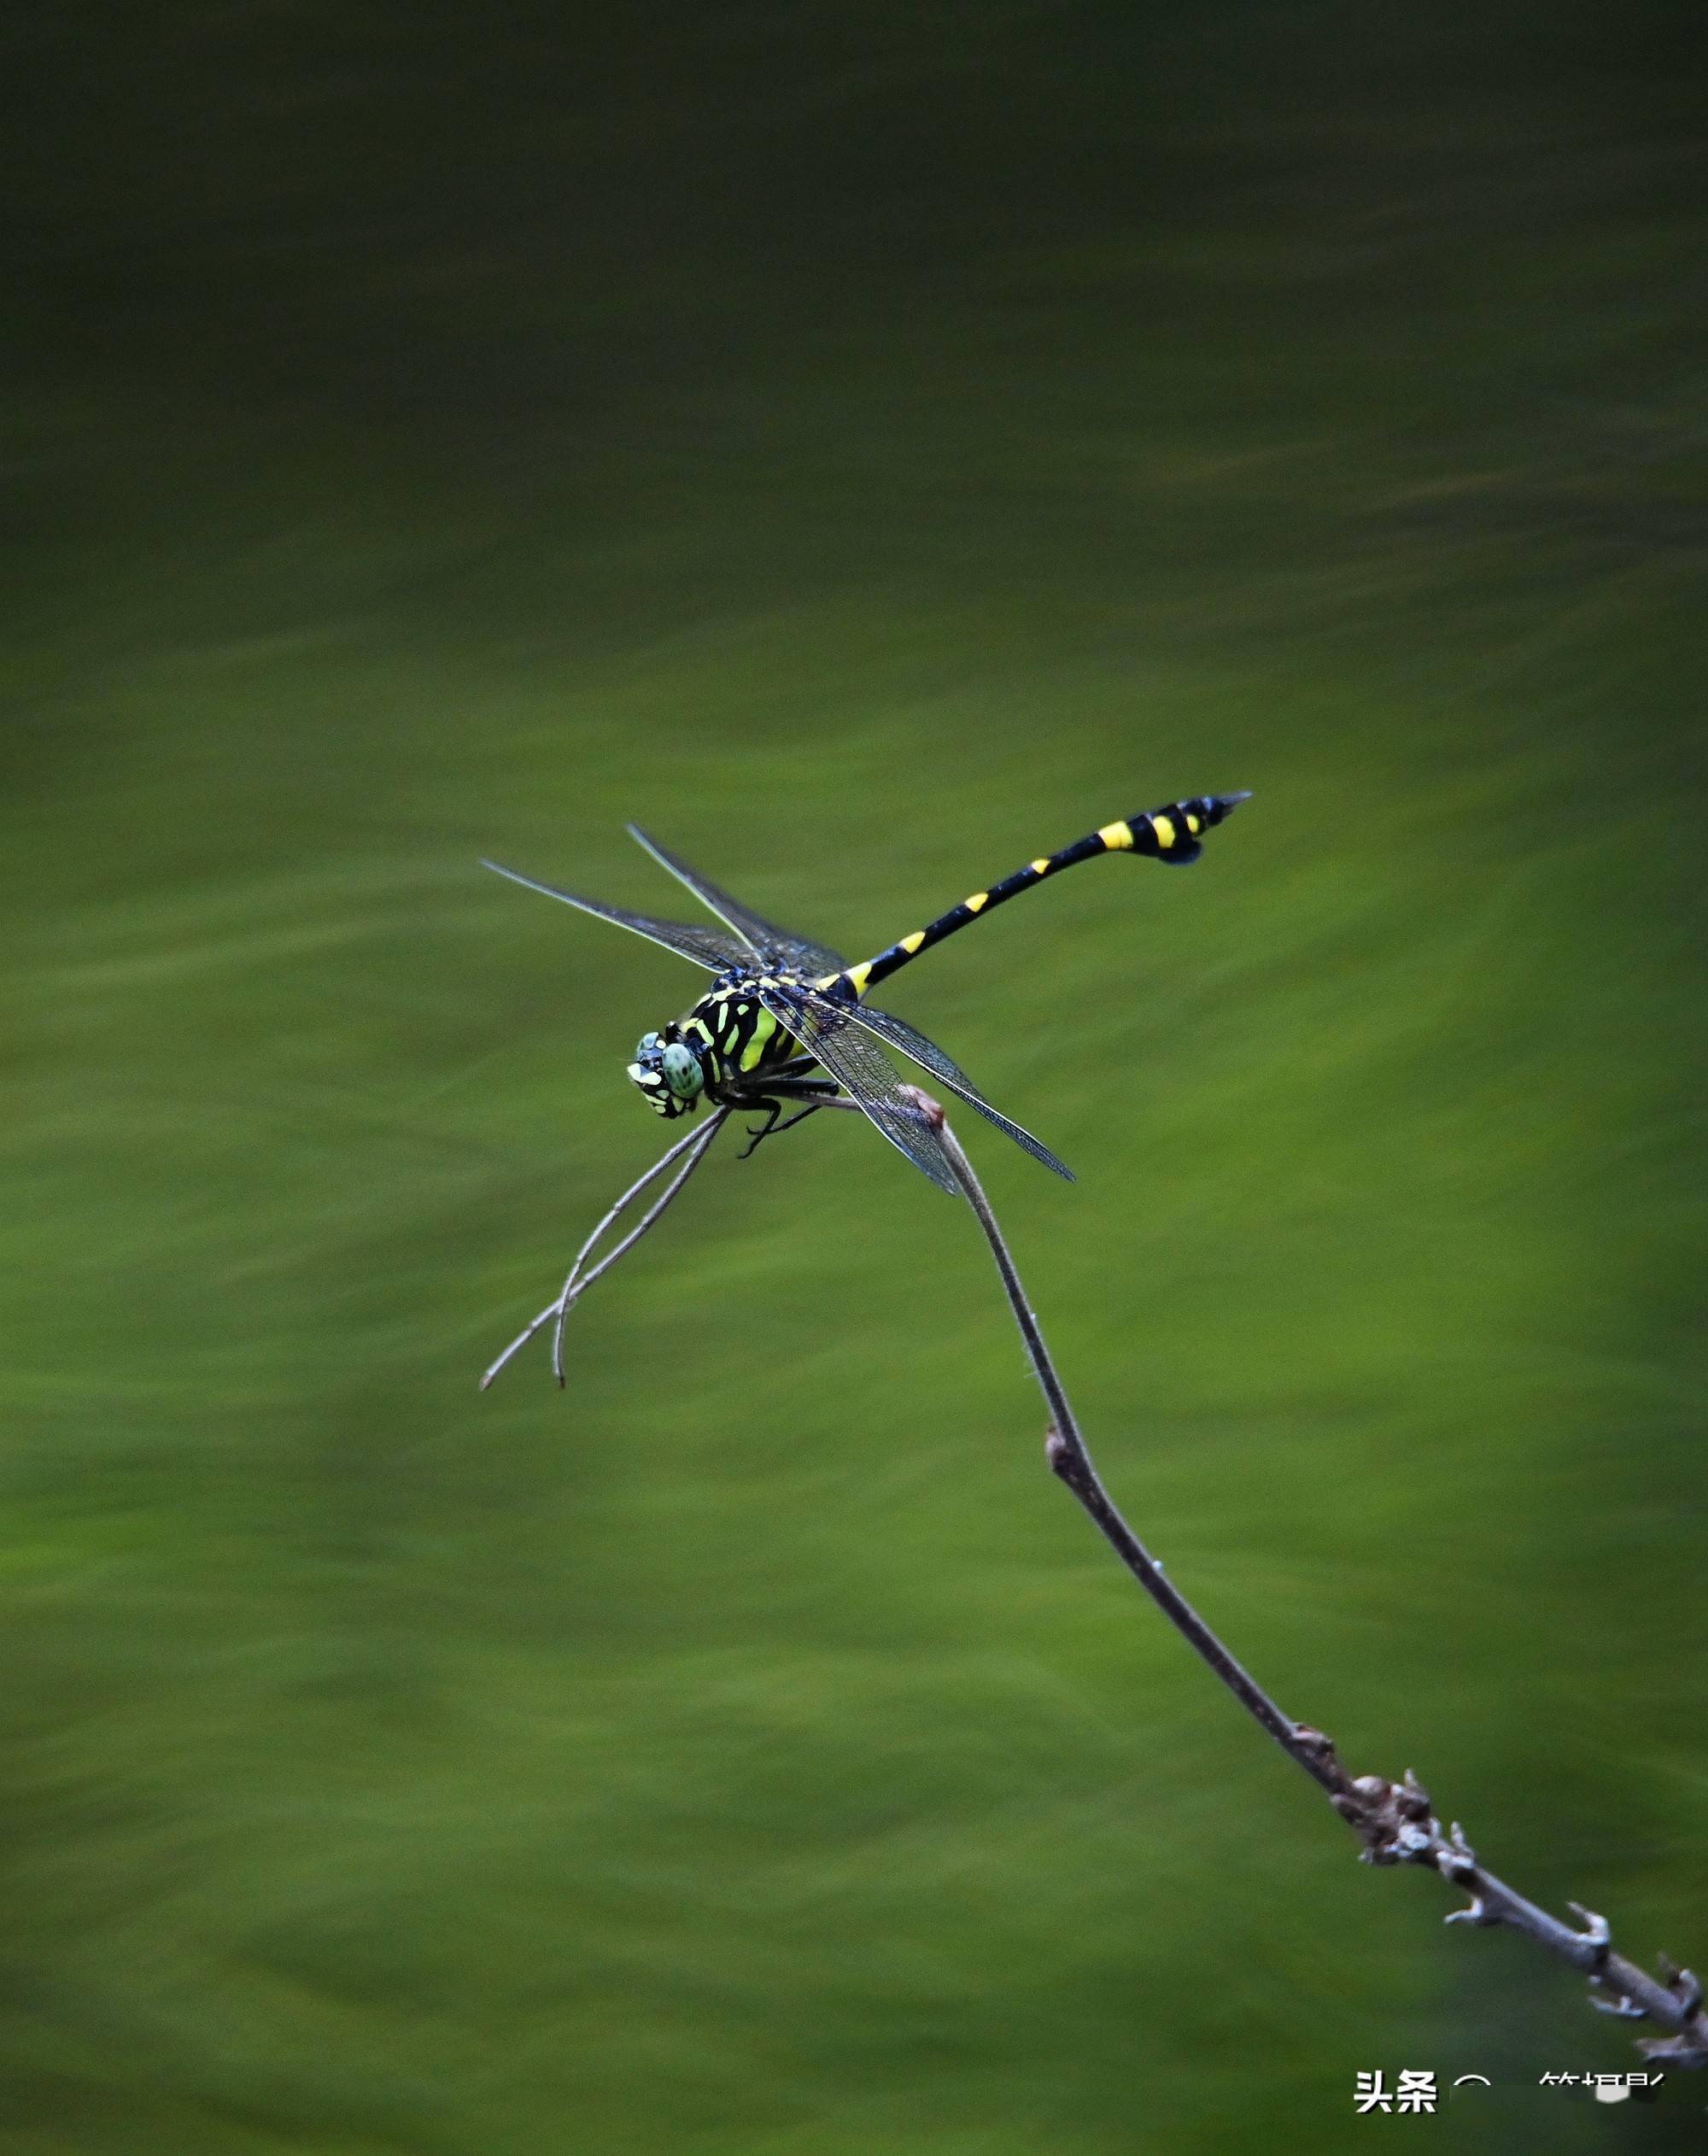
(1475, 1912)
(931, 1110)
(1394, 1820)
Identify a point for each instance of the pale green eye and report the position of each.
(683, 1072)
(668, 1071)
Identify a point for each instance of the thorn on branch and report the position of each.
(1685, 1984)
(1688, 2045)
(1595, 1938)
(1622, 2008)
(1458, 1860)
(1683, 2050)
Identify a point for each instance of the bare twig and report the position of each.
(695, 1145)
(1394, 1820)
(578, 1283)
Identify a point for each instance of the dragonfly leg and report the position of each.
(813, 1090)
(773, 1129)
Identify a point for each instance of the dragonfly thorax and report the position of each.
(725, 1050)
(669, 1073)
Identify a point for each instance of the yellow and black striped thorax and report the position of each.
(735, 1037)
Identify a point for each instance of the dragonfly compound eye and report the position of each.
(669, 1073)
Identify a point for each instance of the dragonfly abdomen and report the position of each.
(1173, 833)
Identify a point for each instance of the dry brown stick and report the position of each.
(1394, 1820)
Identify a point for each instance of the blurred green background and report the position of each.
(869, 446)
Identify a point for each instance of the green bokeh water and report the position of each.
(868, 447)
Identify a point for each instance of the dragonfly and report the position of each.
(785, 1025)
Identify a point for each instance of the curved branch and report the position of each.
(1394, 1820)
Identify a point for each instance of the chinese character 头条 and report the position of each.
(1416, 2091)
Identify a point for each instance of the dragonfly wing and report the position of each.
(708, 947)
(824, 1033)
(899, 1036)
(779, 947)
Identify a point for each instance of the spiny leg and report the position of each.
(776, 1129)
(814, 1091)
(790, 1079)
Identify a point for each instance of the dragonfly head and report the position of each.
(668, 1072)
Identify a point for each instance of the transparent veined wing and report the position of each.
(708, 947)
(781, 948)
(897, 1034)
(823, 1029)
